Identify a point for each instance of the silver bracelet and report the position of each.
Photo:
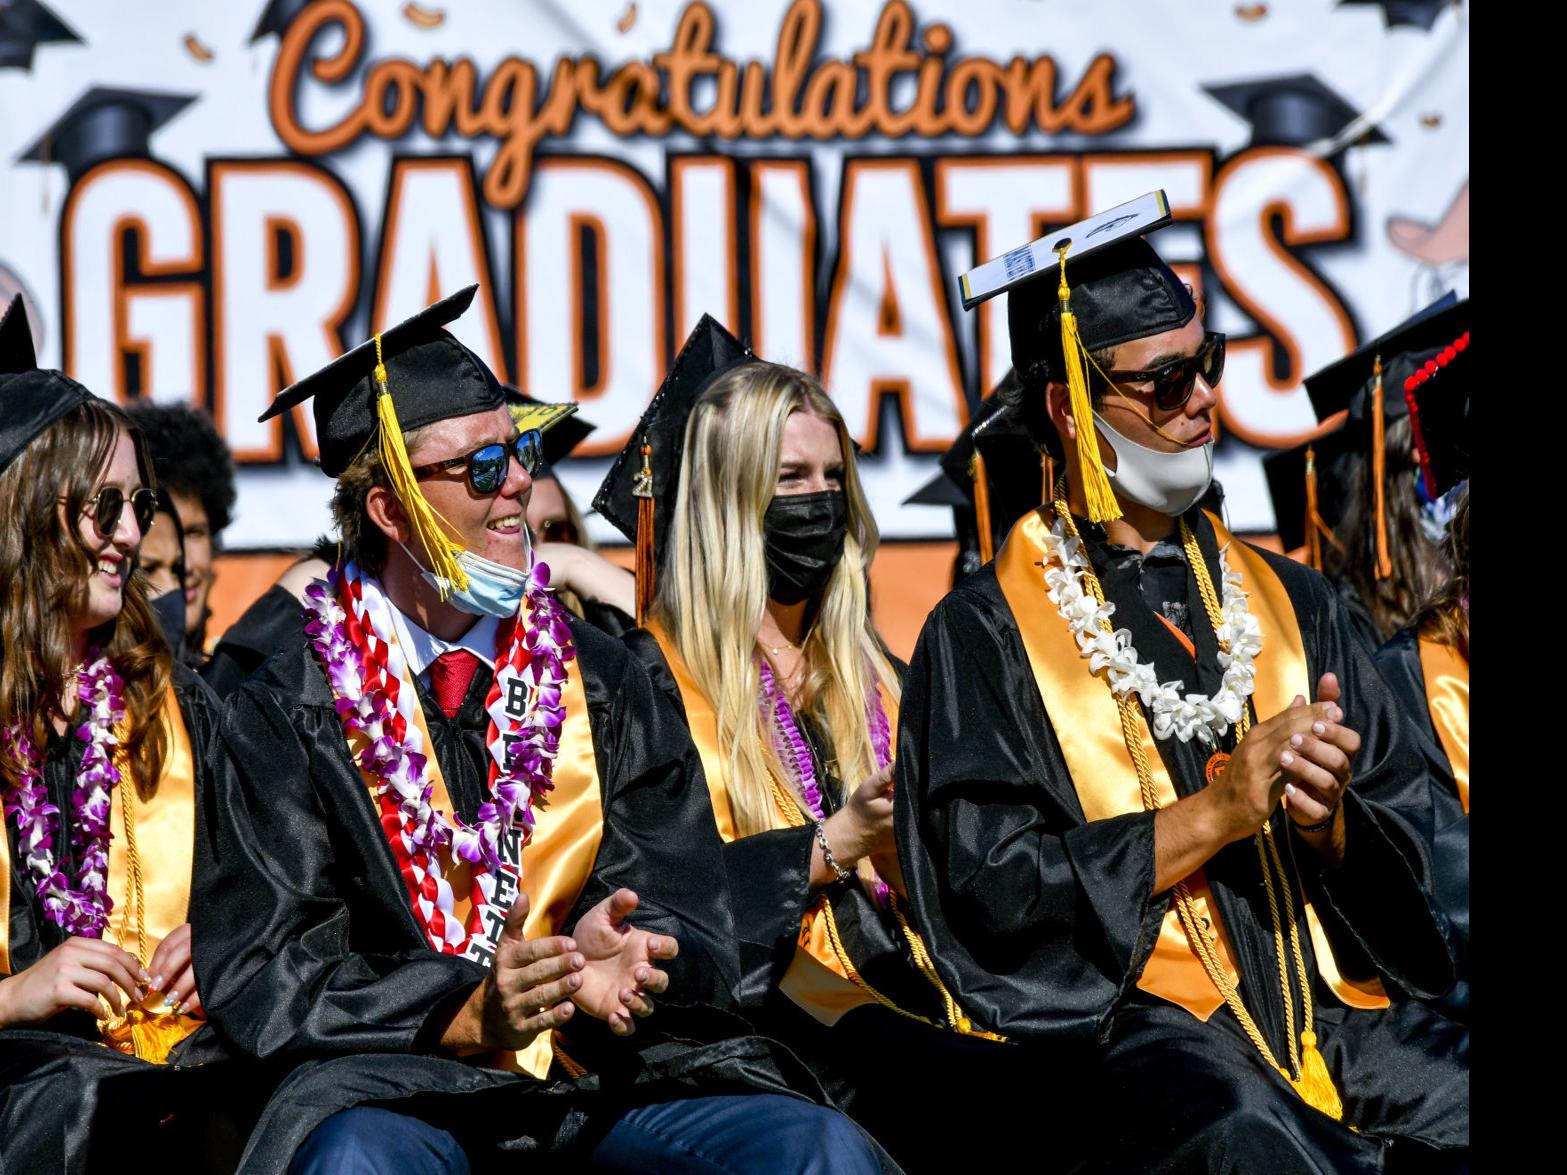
(832, 862)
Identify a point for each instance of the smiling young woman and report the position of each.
(102, 744)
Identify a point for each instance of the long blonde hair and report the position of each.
(712, 590)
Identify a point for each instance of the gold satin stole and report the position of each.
(165, 843)
(555, 864)
(817, 979)
(1084, 715)
(1446, 674)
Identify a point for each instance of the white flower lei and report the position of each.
(1110, 649)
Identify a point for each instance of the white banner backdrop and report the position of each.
(202, 202)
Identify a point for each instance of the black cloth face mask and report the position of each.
(803, 535)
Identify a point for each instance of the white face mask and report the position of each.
(493, 588)
(1170, 483)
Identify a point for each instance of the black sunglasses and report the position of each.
(488, 464)
(109, 503)
(1174, 383)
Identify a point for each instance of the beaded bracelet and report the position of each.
(1321, 826)
(832, 862)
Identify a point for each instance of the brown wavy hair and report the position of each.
(1445, 618)
(46, 563)
(1420, 566)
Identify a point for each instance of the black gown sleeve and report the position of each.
(276, 954)
(769, 873)
(659, 836)
(1378, 905)
(1037, 920)
(267, 625)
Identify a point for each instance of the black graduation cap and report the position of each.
(24, 25)
(105, 123)
(31, 398)
(1310, 479)
(429, 374)
(1420, 13)
(1293, 111)
(563, 430)
(1014, 472)
(638, 494)
(276, 17)
(1408, 347)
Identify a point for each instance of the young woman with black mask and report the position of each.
(761, 631)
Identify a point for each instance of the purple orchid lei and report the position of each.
(84, 909)
(792, 751)
(524, 749)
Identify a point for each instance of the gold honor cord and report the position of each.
(1314, 1083)
(956, 1020)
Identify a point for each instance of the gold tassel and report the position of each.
(1313, 519)
(1379, 472)
(1315, 1084)
(1102, 506)
(642, 490)
(441, 550)
(987, 544)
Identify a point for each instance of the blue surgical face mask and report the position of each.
(493, 588)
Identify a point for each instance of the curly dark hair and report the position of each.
(189, 456)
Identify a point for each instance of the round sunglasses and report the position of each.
(489, 464)
(108, 504)
(1174, 383)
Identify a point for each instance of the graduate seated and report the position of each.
(1158, 817)
(760, 632)
(103, 742)
(460, 864)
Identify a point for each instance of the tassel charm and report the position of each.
(1315, 1084)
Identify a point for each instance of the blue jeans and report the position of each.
(752, 1134)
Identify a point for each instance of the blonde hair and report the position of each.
(712, 590)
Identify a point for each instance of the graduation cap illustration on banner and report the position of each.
(1293, 111)
(1419, 13)
(31, 398)
(26, 24)
(276, 17)
(105, 123)
(637, 496)
(563, 430)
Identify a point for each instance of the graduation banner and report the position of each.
(204, 202)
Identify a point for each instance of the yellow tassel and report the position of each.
(1315, 1084)
(440, 549)
(1102, 506)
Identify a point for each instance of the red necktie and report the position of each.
(450, 675)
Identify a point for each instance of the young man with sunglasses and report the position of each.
(460, 867)
(1157, 814)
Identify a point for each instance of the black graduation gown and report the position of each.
(265, 627)
(310, 953)
(906, 1082)
(1399, 662)
(67, 1103)
(1041, 923)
